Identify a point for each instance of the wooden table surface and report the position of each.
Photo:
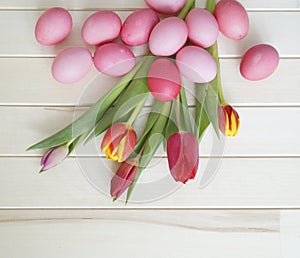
(249, 210)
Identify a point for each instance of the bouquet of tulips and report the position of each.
(191, 38)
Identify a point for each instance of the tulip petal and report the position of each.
(111, 135)
(123, 177)
(183, 156)
(54, 157)
(119, 142)
(229, 121)
(126, 145)
(46, 155)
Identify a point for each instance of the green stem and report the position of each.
(136, 111)
(188, 6)
(215, 54)
(177, 114)
(210, 6)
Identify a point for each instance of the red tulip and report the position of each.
(119, 142)
(183, 156)
(229, 121)
(123, 177)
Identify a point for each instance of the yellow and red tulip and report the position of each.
(229, 121)
(119, 142)
(123, 177)
(183, 156)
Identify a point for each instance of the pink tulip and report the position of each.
(119, 142)
(123, 177)
(54, 156)
(183, 156)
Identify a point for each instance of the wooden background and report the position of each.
(249, 210)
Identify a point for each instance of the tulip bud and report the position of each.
(54, 156)
(229, 121)
(119, 142)
(183, 156)
(123, 177)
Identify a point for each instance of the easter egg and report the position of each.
(53, 26)
(101, 27)
(232, 19)
(202, 26)
(166, 6)
(113, 59)
(71, 64)
(138, 26)
(196, 64)
(259, 62)
(168, 36)
(164, 81)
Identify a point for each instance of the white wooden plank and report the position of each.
(276, 28)
(116, 4)
(239, 183)
(222, 221)
(34, 85)
(166, 235)
(289, 233)
(263, 132)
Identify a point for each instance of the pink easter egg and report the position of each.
(53, 26)
(138, 26)
(168, 36)
(196, 64)
(101, 27)
(259, 62)
(166, 6)
(232, 19)
(72, 64)
(202, 26)
(114, 59)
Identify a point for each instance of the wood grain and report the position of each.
(84, 183)
(155, 233)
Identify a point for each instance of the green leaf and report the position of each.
(153, 140)
(152, 118)
(207, 96)
(135, 93)
(201, 119)
(86, 122)
(171, 126)
(184, 111)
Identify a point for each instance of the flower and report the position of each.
(123, 177)
(119, 142)
(229, 121)
(183, 156)
(54, 156)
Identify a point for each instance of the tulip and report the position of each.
(229, 121)
(54, 156)
(123, 177)
(183, 156)
(119, 142)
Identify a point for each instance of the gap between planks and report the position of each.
(237, 208)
